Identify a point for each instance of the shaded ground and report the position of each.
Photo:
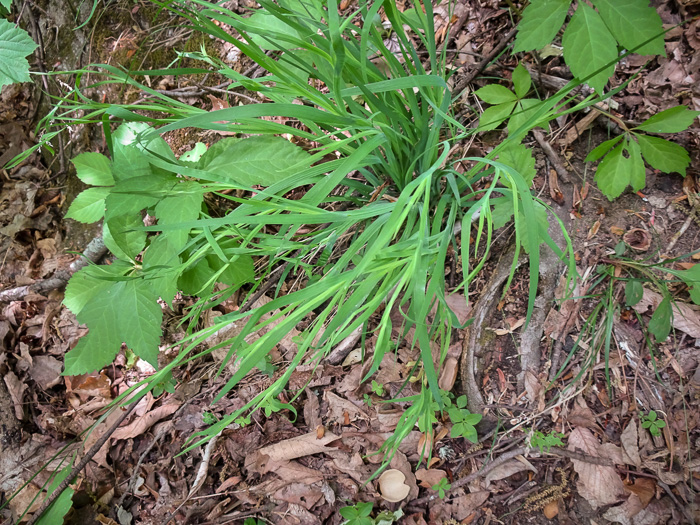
(281, 469)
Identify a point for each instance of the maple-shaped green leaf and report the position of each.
(521, 81)
(126, 312)
(15, 45)
(494, 116)
(89, 205)
(94, 169)
(618, 171)
(519, 157)
(660, 322)
(664, 155)
(632, 23)
(541, 22)
(495, 94)
(672, 120)
(263, 160)
(589, 47)
(90, 281)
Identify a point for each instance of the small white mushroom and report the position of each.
(392, 486)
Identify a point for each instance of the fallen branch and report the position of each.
(93, 253)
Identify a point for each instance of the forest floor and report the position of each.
(286, 470)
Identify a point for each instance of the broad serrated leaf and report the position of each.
(519, 157)
(263, 161)
(502, 211)
(664, 155)
(541, 22)
(521, 81)
(495, 94)
(94, 169)
(493, 116)
(672, 120)
(602, 149)
(161, 263)
(15, 45)
(192, 281)
(195, 153)
(90, 281)
(614, 173)
(181, 207)
(524, 110)
(660, 322)
(633, 292)
(88, 206)
(126, 312)
(633, 22)
(535, 226)
(122, 238)
(129, 161)
(588, 47)
(130, 196)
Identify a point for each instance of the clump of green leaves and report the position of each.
(441, 487)
(463, 421)
(546, 441)
(15, 45)
(652, 423)
(358, 514)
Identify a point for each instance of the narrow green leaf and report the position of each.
(672, 120)
(63, 503)
(633, 22)
(16, 44)
(88, 206)
(660, 322)
(664, 155)
(263, 160)
(588, 47)
(94, 169)
(633, 292)
(521, 81)
(495, 94)
(602, 149)
(541, 22)
(493, 116)
(264, 29)
(638, 176)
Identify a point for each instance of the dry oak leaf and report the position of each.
(598, 484)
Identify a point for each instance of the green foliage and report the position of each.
(377, 388)
(358, 514)
(623, 164)
(651, 422)
(546, 441)
(442, 486)
(60, 507)
(15, 45)
(592, 37)
(463, 421)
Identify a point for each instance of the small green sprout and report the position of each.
(442, 486)
(546, 441)
(358, 514)
(652, 423)
(463, 421)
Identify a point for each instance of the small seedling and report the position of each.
(546, 441)
(209, 418)
(651, 422)
(463, 421)
(377, 388)
(442, 486)
(358, 514)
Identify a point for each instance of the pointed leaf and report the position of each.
(122, 238)
(638, 178)
(672, 120)
(633, 292)
(519, 157)
(588, 47)
(140, 317)
(614, 174)
(88, 206)
(521, 81)
(91, 281)
(160, 262)
(633, 22)
(94, 169)
(524, 111)
(660, 322)
(263, 161)
(602, 149)
(664, 155)
(495, 94)
(16, 44)
(493, 116)
(541, 22)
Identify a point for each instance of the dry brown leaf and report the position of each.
(551, 509)
(593, 231)
(338, 407)
(600, 485)
(16, 389)
(630, 448)
(506, 470)
(430, 477)
(463, 506)
(644, 489)
(298, 447)
(46, 371)
(299, 494)
(143, 423)
(625, 512)
(686, 318)
(449, 374)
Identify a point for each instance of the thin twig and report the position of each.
(81, 465)
(552, 155)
